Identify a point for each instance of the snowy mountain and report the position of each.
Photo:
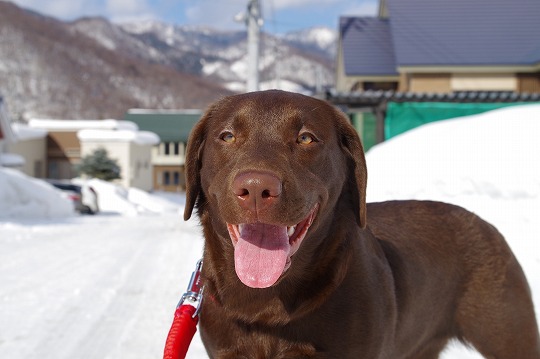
(304, 59)
(319, 40)
(92, 68)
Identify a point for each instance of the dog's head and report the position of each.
(269, 168)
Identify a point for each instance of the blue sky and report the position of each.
(280, 15)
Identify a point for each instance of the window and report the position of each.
(176, 148)
(176, 178)
(167, 151)
(166, 178)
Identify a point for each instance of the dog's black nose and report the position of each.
(256, 190)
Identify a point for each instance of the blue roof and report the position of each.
(367, 46)
(465, 32)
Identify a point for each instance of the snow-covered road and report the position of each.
(101, 287)
(93, 287)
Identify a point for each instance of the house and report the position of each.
(421, 61)
(68, 141)
(442, 46)
(131, 149)
(365, 56)
(173, 128)
(63, 148)
(31, 145)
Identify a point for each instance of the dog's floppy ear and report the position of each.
(193, 164)
(353, 146)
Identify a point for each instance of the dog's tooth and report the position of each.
(290, 230)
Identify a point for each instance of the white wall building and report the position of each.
(132, 150)
(31, 145)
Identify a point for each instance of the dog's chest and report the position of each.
(237, 340)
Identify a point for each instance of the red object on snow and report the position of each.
(186, 318)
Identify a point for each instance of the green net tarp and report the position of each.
(366, 125)
(404, 116)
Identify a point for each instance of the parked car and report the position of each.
(84, 197)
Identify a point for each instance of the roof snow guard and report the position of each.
(375, 98)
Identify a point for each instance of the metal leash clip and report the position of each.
(194, 294)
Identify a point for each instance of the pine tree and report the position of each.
(99, 165)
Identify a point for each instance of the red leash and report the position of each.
(186, 318)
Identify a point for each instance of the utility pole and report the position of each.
(254, 21)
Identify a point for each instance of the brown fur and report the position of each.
(392, 280)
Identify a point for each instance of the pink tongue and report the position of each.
(261, 254)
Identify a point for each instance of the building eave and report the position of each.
(374, 78)
(480, 69)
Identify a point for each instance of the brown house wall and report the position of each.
(439, 83)
(63, 152)
(176, 178)
(529, 82)
(63, 145)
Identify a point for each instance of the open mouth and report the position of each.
(262, 252)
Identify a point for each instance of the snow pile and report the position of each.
(26, 197)
(24, 132)
(491, 155)
(138, 137)
(115, 199)
(11, 160)
(72, 125)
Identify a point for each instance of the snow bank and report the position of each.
(11, 160)
(26, 197)
(491, 155)
(25, 132)
(73, 125)
(30, 198)
(115, 199)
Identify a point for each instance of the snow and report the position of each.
(29, 198)
(11, 160)
(138, 137)
(285, 85)
(24, 132)
(466, 158)
(106, 286)
(73, 125)
(320, 36)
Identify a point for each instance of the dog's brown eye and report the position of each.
(228, 137)
(305, 138)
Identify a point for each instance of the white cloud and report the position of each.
(122, 10)
(63, 9)
(289, 4)
(72, 9)
(362, 9)
(218, 14)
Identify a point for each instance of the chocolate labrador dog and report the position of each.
(296, 265)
